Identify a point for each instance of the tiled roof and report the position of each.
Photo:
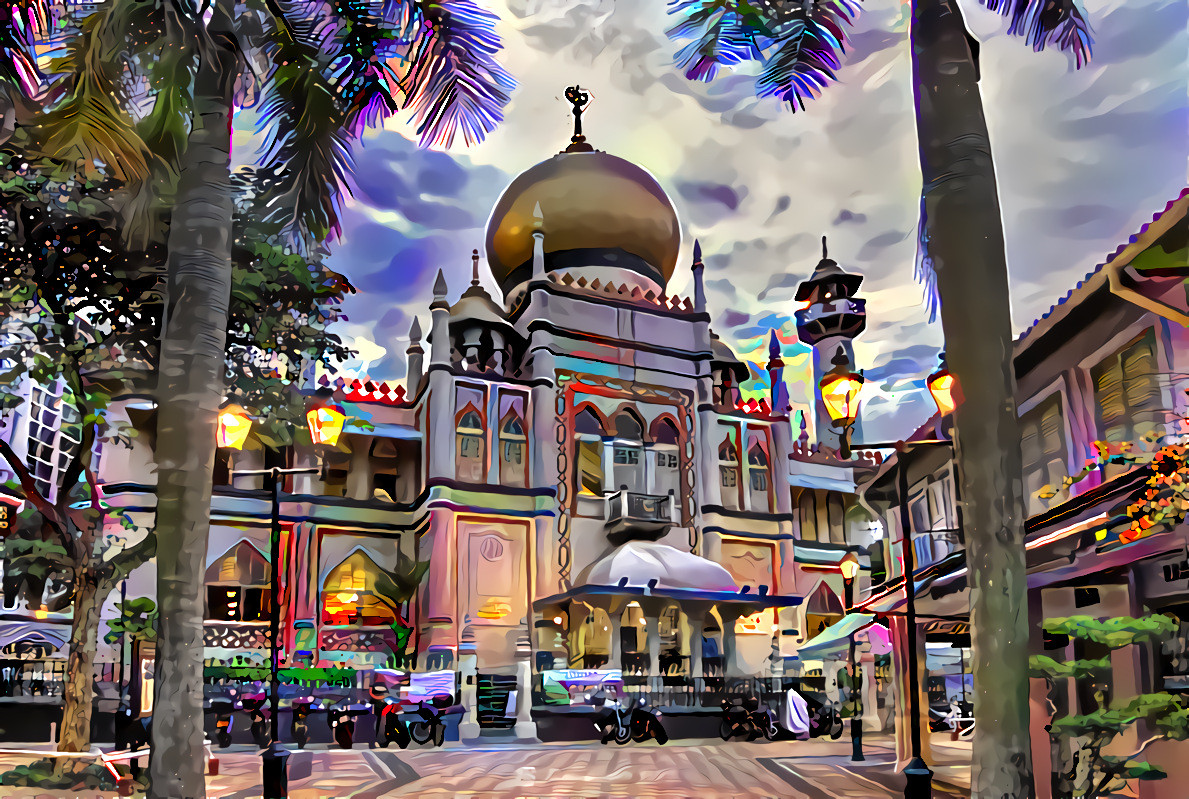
(1082, 287)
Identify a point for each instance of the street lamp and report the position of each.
(944, 388)
(849, 566)
(234, 426)
(840, 392)
(326, 424)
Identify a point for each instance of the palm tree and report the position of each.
(329, 69)
(798, 45)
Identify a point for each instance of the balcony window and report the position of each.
(757, 478)
(628, 452)
(238, 586)
(513, 448)
(728, 473)
(588, 453)
(1127, 393)
(470, 461)
(807, 515)
(349, 594)
(1042, 444)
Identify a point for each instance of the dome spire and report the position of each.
(475, 267)
(580, 100)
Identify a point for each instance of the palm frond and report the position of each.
(724, 35)
(454, 84)
(22, 25)
(1043, 23)
(798, 44)
(806, 48)
(87, 120)
(307, 139)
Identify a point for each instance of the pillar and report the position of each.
(869, 696)
(468, 726)
(616, 661)
(652, 629)
(697, 626)
(526, 728)
(730, 657)
(899, 629)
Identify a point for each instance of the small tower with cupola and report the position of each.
(830, 318)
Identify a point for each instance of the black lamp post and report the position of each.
(850, 569)
(326, 423)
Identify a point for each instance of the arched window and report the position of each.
(513, 451)
(665, 456)
(628, 451)
(470, 461)
(758, 478)
(588, 452)
(349, 594)
(728, 473)
(238, 586)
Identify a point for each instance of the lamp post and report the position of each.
(918, 778)
(850, 569)
(326, 424)
(840, 392)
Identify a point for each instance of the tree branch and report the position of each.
(29, 489)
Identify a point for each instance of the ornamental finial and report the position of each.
(580, 100)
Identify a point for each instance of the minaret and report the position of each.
(439, 330)
(414, 359)
(778, 394)
(699, 288)
(829, 322)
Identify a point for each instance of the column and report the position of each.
(653, 631)
(697, 625)
(526, 728)
(468, 726)
(899, 630)
(869, 699)
(730, 665)
(616, 661)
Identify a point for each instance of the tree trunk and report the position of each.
(77, 688)
(965, 233)
(190, 390)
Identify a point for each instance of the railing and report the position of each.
(631, 510)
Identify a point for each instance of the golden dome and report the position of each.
(596, 209)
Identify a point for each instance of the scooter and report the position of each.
(761, 718)
(431, 726)
(826, 720)
(298, 727)
(646, 723)
(392, 729)
(223, 708)
(254, 706)
(342, 724)
(736, 720)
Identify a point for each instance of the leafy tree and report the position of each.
(397, 586)
(1093, 772)
(798, 47)
(135, 618)
(80, 311)
(325, 70)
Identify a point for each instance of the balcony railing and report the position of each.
(631, 510)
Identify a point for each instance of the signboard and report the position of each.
(6, 518)
(582, 677)
(146, 685)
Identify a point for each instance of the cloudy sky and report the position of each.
(1084, 158)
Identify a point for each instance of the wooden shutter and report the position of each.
(1108, 397)
(1141, 389)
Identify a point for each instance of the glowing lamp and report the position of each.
(840, 392)
(849, 566)
(941, 385)
(326, 425)
(234, 425)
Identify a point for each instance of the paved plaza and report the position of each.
(679, 770)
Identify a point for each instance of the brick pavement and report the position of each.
(680, 770)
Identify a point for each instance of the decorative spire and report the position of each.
(415, 332)
(579, 99)
(439, 286)
(699, 288)
(773, 348)
(825, 254)
(475, 267)
(697, 254)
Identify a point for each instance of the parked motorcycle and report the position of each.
(224, 709)
(826, 719)
(736, 720)
(430, 725)
(342, 724)
(392, 728)
(254, 706)
(761, 718)
(299, 729)
(622, 723)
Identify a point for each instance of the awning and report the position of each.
(835, 638)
